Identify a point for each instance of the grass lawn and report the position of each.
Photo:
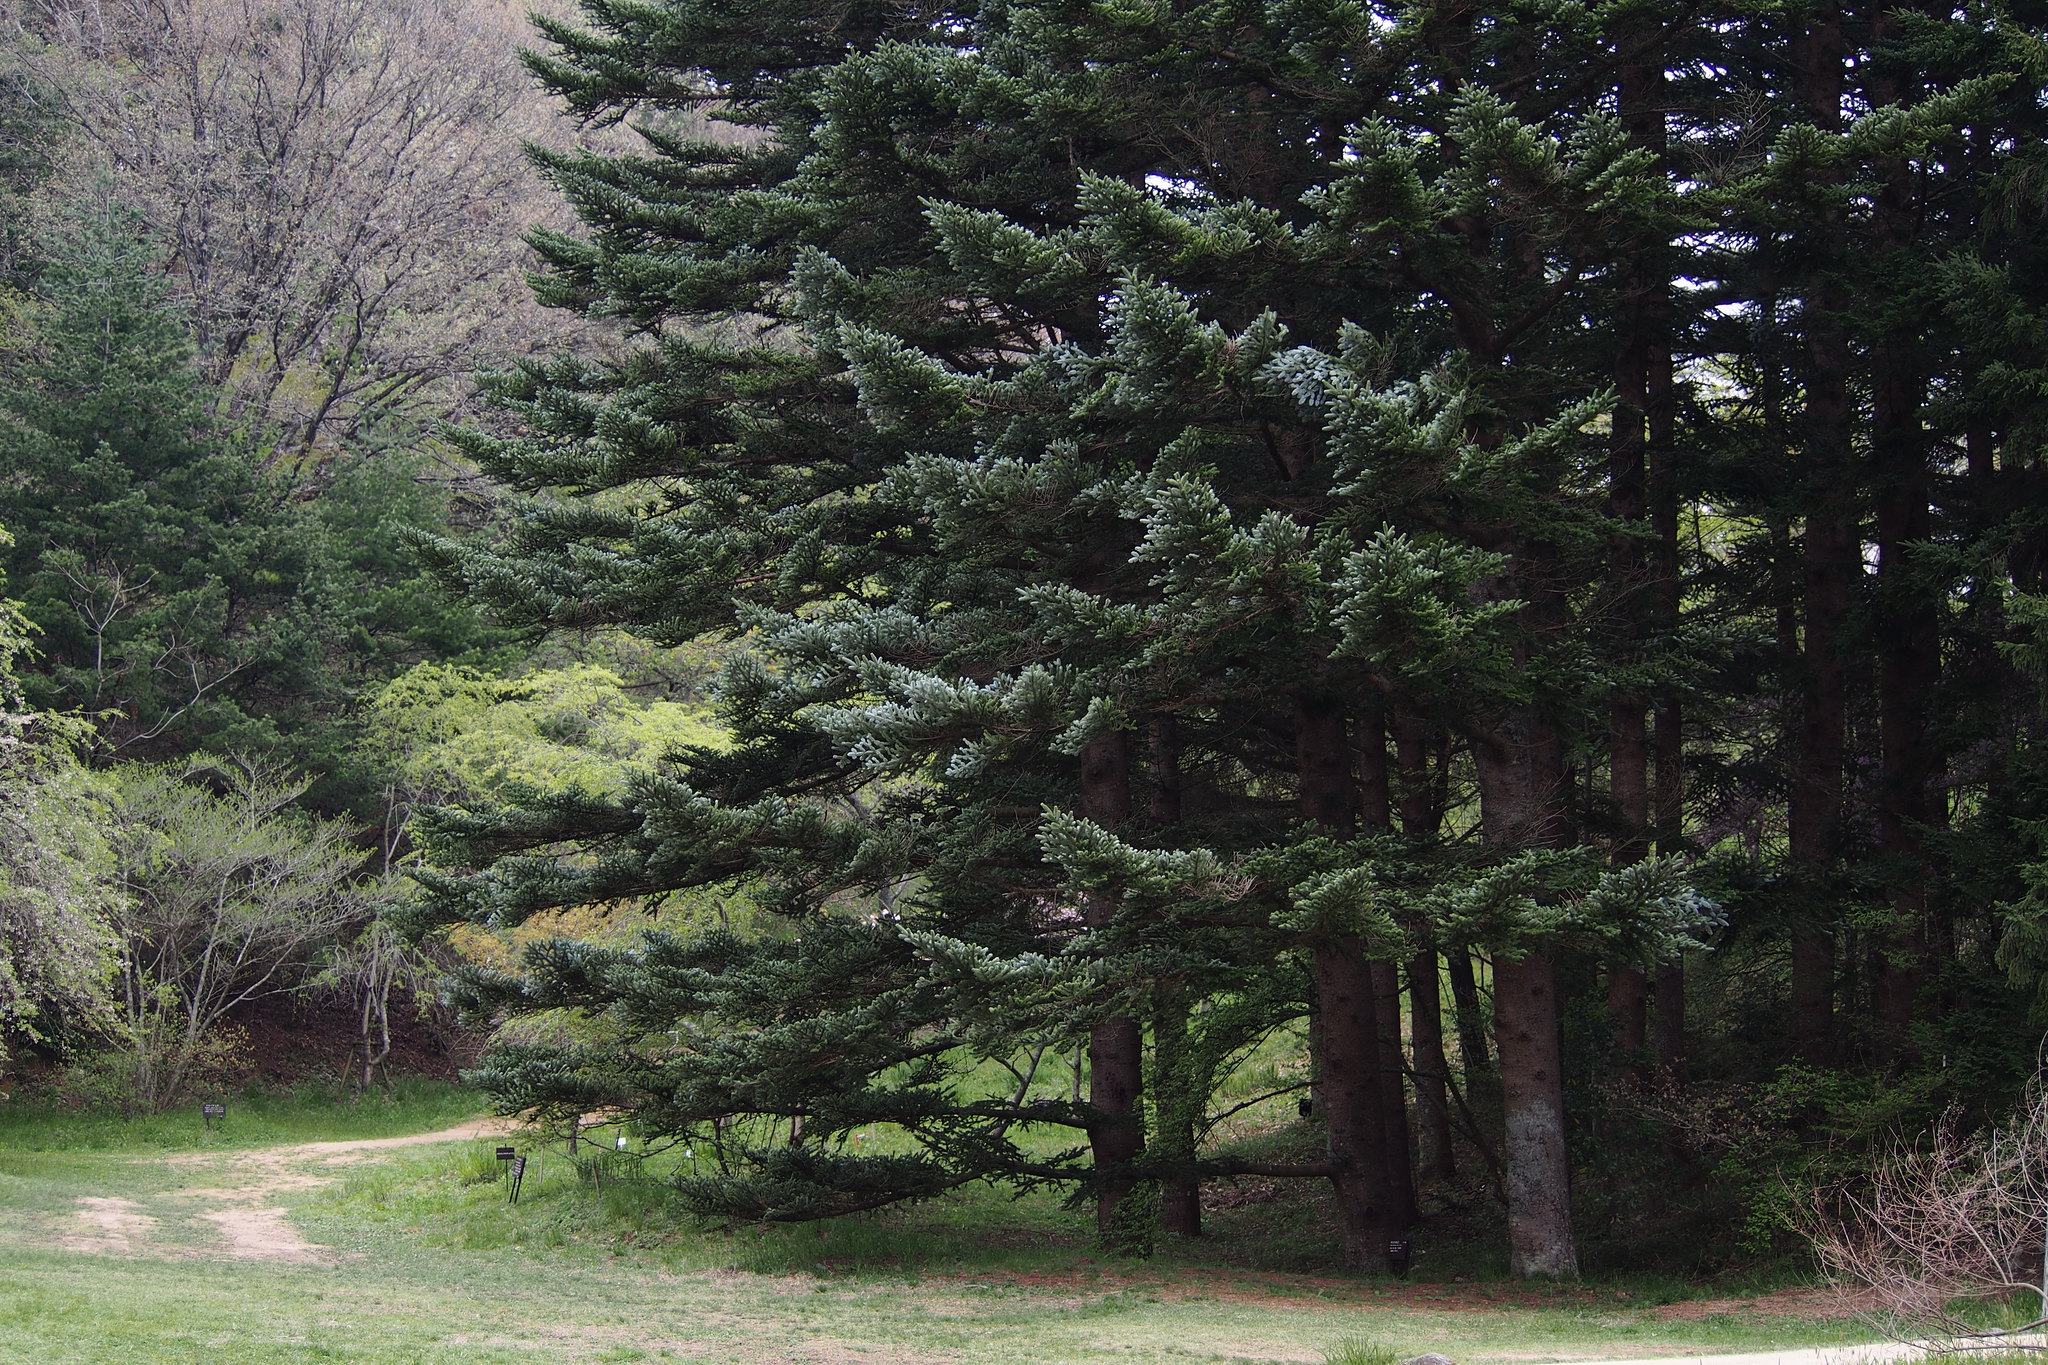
(230, 1246)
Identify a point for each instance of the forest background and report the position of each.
(1484, 560)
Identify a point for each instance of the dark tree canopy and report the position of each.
(1240, 506)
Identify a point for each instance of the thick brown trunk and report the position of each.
(1116, 1045)
(1909, 670)
(1376, 812)
(1353, 1109)
(1522, 805)
(1538, 1169)
(1351, 1068)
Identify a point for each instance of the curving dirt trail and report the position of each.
(243, 1211)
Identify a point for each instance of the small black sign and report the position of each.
(1400, 1255)
(506, 1154)
(518, 1174)
(210, 1112)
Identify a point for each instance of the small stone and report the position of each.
(1431, 1359)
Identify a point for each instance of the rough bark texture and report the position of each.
(1522, 791)
(1116, 1045)
(1353, 1109)
(1538, 1171)
(1351, 1063)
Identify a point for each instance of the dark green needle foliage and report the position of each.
(1231, 502)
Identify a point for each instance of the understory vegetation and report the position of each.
(1369, 635)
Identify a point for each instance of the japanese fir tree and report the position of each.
(1204, 483)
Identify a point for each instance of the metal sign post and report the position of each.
(1400, 1255)
(518, 1178)
(505, 1155)
(210, 1112)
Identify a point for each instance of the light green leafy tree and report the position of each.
(232, 894)
(456, 733)
(57, 889)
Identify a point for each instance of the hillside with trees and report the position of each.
(1436, 602)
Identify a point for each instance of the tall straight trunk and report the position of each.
(1909, 670)
(1522, 805)
(1386, 992)
(1645, 483)
(1116, 1045)
(1352, 1105)
(1909, 638)
(1421, 815)
(1831, 559)
(1350, 1066)
(1180, 1195)
(1532, 1098)
(1376, 812)
(1628, 745)
(1435, 1154)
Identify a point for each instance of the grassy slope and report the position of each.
(435, 1267)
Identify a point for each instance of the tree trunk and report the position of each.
(1386, 988)
(1435, 1156)
(1473, 1055)
(1116, 1045)
(1538, 1169)
(1376, 812)
(1642, 485)
(1180, 1196)
(1351, 1067)
(1671, 1018)
(1909, 635)
(1353, 1109)
(1522, 795)
(1831, 559)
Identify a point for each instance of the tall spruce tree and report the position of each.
(1121, 386)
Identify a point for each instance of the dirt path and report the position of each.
(109, 1226)
(244, 1212)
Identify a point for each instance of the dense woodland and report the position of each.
(1007, 566)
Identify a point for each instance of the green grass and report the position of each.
(258, 1119)
(428, 1263)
